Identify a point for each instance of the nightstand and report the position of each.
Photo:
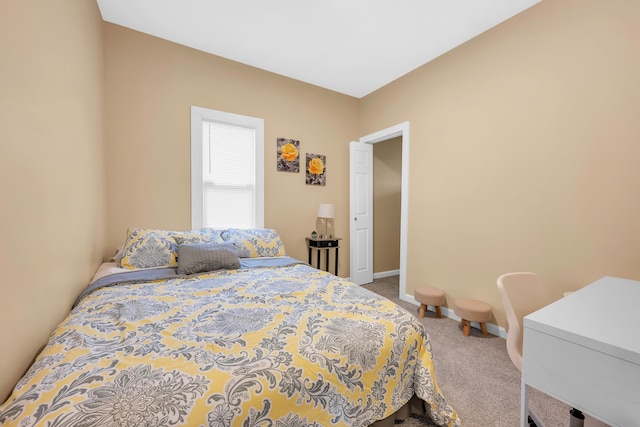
(326, 245)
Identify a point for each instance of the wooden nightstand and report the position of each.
(317, 244)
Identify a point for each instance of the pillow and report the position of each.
(196, 258)
(204, 235)
(255, 242)
(147, 248)
(118, 256)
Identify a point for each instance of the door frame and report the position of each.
(402, 130)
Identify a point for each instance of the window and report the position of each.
(227, 170)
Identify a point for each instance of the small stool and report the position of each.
(471, 310)
(429, 296)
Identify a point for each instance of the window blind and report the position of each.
(228, 175)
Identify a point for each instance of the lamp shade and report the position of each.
(326, 210)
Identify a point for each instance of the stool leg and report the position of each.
(438, 312)
(483, 328)
(423, 308)
(466, 327)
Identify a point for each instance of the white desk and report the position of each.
(584, 350)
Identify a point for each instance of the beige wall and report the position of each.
(150, 86)
(524, 151)
(52, 176)
(387, 189)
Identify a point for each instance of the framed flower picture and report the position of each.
(288, 155)
(316, 169)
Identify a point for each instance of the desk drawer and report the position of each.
(323, 243)
(599, 384)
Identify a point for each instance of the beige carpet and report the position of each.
(475, 373)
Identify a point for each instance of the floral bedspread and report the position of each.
(286, 346)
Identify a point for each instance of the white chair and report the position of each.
(524, 293)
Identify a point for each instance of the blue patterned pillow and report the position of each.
(146, 248)
(255, 242)
(204, 235)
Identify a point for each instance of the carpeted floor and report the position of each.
(475, 373)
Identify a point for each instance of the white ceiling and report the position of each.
(349, 46)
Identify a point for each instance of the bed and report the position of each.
(211, 338)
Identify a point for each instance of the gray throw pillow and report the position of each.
(196, 258)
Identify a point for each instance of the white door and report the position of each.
(361, 210)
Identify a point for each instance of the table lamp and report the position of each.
(326, 211)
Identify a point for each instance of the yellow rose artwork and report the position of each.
(289, 152)
(316, 169)
(316, 166)
(288, 155)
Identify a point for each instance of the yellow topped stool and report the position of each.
(471, 310)
(426, 296)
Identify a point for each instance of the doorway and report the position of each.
(401, 130)
(387, 189)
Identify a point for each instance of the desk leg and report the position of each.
(336, 270)
(309, 255)
(318, 260)
(524, 405)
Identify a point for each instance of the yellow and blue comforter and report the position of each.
(278, 346)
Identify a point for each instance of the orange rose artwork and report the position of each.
(316, 169)
(288, 155)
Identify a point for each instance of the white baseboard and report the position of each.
(383, 274)
(492, 328)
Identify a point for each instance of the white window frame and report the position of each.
(200, 114)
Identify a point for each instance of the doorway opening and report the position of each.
(401, 130)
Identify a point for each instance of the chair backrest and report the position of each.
(521, 293)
